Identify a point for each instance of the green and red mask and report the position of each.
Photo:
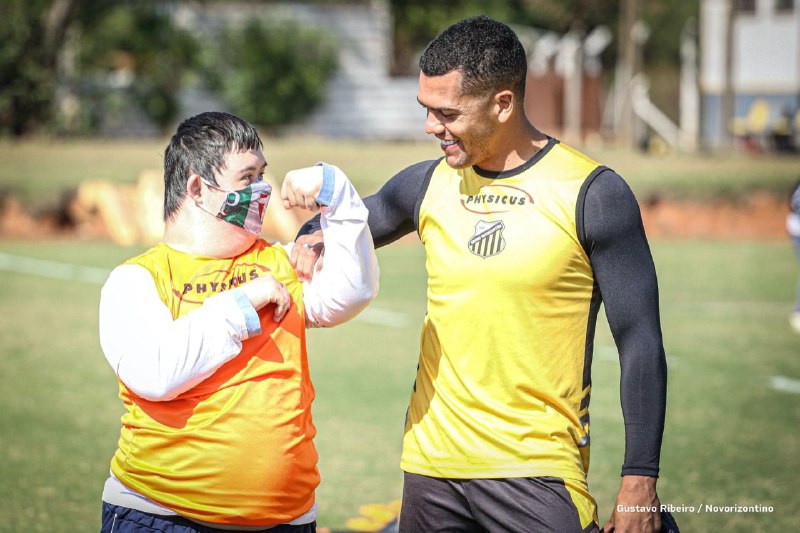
(246, 207)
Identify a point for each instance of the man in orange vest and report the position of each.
(206, 334)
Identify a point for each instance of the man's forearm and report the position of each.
(349, 280)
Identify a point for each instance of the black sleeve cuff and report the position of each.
(309, 227)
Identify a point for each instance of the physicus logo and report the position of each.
(488, 239)
(496, 199)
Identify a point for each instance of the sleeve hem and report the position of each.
(251, 320)
(637, 471)
(325, 196)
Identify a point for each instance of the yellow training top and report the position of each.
(501, 389)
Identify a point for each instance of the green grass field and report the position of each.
(731, 438)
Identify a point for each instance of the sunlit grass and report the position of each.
(730, 440)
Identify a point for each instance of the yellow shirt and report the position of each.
(237, 448)
(502, 388)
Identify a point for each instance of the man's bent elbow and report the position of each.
(150, 389)
(342, 310)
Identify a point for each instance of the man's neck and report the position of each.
(195, 232)
(515, 147)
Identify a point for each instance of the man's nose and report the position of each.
(432, 124)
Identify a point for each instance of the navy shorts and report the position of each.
(495, 505)
(118, 519)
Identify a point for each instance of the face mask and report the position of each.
(246, 207)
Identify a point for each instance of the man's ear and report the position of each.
(194, 188)
(504, 102)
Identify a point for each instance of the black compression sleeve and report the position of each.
(626, 277)
(393, 210)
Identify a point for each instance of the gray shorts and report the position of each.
(524, 505)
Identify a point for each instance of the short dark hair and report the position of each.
(199, 146)
(488, 54)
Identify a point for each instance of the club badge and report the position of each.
(488, 239)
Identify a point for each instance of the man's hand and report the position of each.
(301, 187)
(307, 254)
(637, 509)
(266, 290)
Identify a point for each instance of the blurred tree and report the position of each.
(562, 16)
(418, 21)
(32, 32)
(273, 73)
(108, 37)
(115, 37)
(666, 21)
(134, 47)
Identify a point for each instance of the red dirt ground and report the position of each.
(760, 217)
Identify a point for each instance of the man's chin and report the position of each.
(458, 163)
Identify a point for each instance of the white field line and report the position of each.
(52, 269)
(784, 384)
(65, 271)
(372, 315)
(383, 317)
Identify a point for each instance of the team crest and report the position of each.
(488, 239)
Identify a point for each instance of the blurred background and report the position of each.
(696, 103)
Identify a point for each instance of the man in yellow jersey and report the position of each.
(206, 333)
(524, 238)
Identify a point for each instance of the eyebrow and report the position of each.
(440, 108)
(252, 168)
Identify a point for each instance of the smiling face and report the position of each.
(466, 125)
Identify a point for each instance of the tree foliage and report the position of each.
(31, 32)
(273, 73)
(107, 37)
(418, 21)
(137, 42)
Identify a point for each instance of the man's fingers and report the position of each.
(290, 199)
(301, 187)
(282, 303)
(294, 256)
(306, 253)
(295, 199)
(309, 257)
(305, 264)
(285, 194)
(289, 194)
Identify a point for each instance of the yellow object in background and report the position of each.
(133, 214)
(375, 516)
